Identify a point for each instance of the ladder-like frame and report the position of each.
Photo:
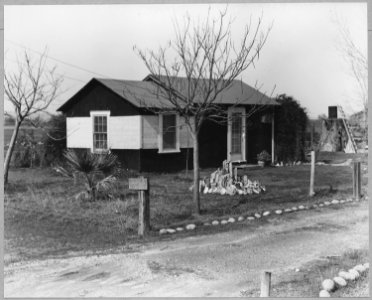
(347, 128)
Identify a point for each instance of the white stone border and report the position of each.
(257, 215)
(340, 281)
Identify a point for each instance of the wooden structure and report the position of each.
(265, 284)
(357, 183)
(312, 174)
(141, 184)
(119, 115)
(336, 133)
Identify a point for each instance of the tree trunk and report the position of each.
(196, 196)
(10, 150)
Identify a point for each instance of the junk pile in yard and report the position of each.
(223, 182)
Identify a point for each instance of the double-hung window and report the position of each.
(169, 133)
(100, 131)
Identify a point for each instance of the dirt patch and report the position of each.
(218, 265)
(322, 226)
(69, 274)
(157, 268)
(97, 276)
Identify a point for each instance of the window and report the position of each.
(236, 133)
(169, 139)
(100, 139)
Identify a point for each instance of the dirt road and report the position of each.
(221, 264)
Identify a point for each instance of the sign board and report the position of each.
(138, 184)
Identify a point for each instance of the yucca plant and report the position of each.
(100, 171)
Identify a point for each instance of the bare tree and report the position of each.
(209, 60)
(30, 89)
(358, 64)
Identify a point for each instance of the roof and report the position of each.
(237, 93)
(149, 93)
(139, 93)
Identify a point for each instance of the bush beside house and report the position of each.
(290, 129)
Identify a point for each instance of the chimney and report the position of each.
(332, 112)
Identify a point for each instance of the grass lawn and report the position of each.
(42, 216)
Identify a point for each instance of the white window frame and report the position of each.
(103, 113)
(160, 134)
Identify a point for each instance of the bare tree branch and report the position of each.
(31, 90)
(358, 64)
(207, 58)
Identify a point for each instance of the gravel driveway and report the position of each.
(220, 264)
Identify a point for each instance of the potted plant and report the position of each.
(263, 158)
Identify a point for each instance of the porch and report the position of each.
(240, 139)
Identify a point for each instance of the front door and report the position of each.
(236, 134)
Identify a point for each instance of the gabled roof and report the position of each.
(237, 93)
(140, 93)
(149, 93)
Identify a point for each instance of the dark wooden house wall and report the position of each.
(212, 144)
(97, 97)
(258, 136)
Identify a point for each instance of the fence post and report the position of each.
(144, 212)
(265, 284)
(356, 180)
(312, 174)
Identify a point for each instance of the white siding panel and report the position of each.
(150, 133)
(124, 132)
(79, 132)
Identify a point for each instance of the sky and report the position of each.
(301, 57)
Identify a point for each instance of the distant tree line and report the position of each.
(40, 146)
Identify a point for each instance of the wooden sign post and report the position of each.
(356, 181)
(141, 184)
(265, 284)
(312, 174)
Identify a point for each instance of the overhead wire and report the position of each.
(60, 74)
(56, 59)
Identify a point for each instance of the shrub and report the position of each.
(264, 156)
(55, 139)
(290, 126)
(28, 151)
(99, 171)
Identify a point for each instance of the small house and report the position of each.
(120, 116)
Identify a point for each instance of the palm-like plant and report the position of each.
(100, 171)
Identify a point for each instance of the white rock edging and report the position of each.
(340, 282)
(258, 215)
(324, 294)
(191, 227)
(328, 285)
(342, 279)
